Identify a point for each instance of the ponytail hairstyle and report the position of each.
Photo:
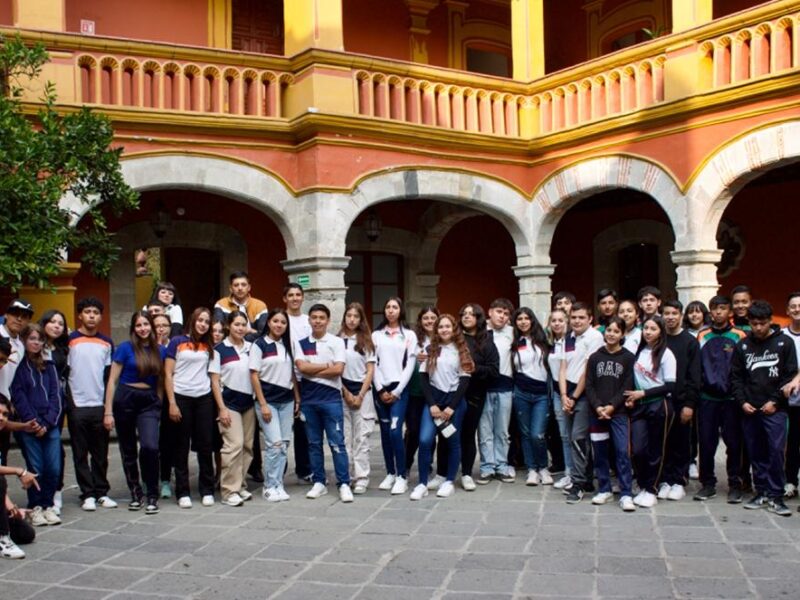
(660, 345)
(465, 358)
(537, 333)
(195, 338)
(364, 343)
(146, 351)
(37, 360)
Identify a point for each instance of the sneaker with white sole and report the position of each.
(345, 493)
(533, 478)
(446, 490)
(387, 483)
(51, 517)
(602, 497)
(8, 549)
(468, 483)
(626, 504)
(638, 497)
(509, 476)
(282, 494)
(694, 472)
(564, 483)
(58, 502)
(663, 490)
(317, 490)
(106, 502)
(152, 507)
(484, 478)
(184, 502)
(136, 503)
(419, 492)
(400, 486)
(361, 486)
(434, 483)
(647, 500)
(233, 500)
(208, 500)
(546, 477)
(271, 494)
(245, 495)
(676, 492)
(37, 517)
(89, 504)
(789, 490)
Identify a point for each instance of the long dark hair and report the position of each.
(401, 319)
(286, 338)
(661, 344)
(537, 333)
(696, 305)
(418, 328)
(146, 352)
(364, 343)
(465, 358)
(481, 333)
(61, 341)
(37, 360)
(198, 340)
(166, 285)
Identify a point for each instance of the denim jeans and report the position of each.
(427, 435)
(391, 418)
(493, 433)
(531, 410)
(43, 456)
(327, 418)
(277, 434)
(563, 431)
(618, 430)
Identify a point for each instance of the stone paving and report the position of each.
(501, 541)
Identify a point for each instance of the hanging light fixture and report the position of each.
(160, 220)
(372, 226)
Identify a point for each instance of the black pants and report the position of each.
(554, 444)
(725, 417)
(138, 411)
(195, 432)
(416, 404)
(515, 458)
(677, 454)
(650, 425)
(168, 431)
(5, 446)
(257, 464)
(89, 441)
(793, 445)
(469, 440)
(302, 462)
(20, 530)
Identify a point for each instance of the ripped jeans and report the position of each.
(276, 436)
(326, 417)
(391, 418)
(531, 411)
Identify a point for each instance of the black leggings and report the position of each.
(196, 432)
(20, 530)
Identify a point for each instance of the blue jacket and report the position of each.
(35, 394)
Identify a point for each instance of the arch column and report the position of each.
(322, 278)
(423, 292)
(696, 274)
(535, 287)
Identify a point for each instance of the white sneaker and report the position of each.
(37, 517)
(419, 492)
(446, 490)
(564, 483)
(345, 493)
(637, 499)
(271, 495)
(546, 477)
(58, 503)
(245, 495)
(184, 502)
(282, 494)
(789, 490)
(468, 483)
(676, 492)
(533, 478)
(387, 482)
(106, 502)
(647, 500)
(317, 490)
(626, 504)
(233, 500)
(694, 472)
(663, 490)
(8, 549)
(208, 500)
(512, 472)
(400, 486)
(434, 483)
(51, 517)
(89, 504)
(602, 497)
(361, 486)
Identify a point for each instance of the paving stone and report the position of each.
(174, 584)
(383, 592)
(19, 590)
(699, 549)
(54, 572)
(291, 552)
(768, 551)
(204, 565)
(616, 565)
(777, 588)
(710, 587)
(634, 587)
(303, 590)
(81, 555)
(106, 578)
(421, 559)
(704, 567)
(61, 592)
(541, 584)
(144, 560)
(411, 577)
(237, 589)
(483, 580)
(561, 564)
(339, 574)
(497, 544)
(135, 596)
(438, 542)
(758, 567)
(606, 547)
(115, 541)
(270, 570)
(497, 562)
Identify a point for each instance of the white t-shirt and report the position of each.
(633, 339)
(644, 375)
(299, 327)
(448, 369)
(271, 360)
(503, 338)
(190, 377)
(578, 349)
(17, 354)
(392, 348)
(529, 360)
(555, 358)
(794, 399)
(232, 363)
(355, 366)
(327, 349)
(88, 357)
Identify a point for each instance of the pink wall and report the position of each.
(6, 12)
(378, 33)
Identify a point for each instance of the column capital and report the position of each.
(691, 257)
(534, 270)
(299, 265)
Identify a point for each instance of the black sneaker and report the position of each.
(507, 477)
(152, 507)
(756, 502)
(735, 496)
(778, 506)
(707, 492)
(484, 479)
(575, 495)
(136, 504)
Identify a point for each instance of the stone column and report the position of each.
(423, 292)
(322, 278)
(696, 274)
(535, 288)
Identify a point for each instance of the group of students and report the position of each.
(633, 389)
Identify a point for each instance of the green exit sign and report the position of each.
(304, 281)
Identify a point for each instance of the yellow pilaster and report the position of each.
(687, 14)
(61, 297)
(312, 24)
(220, 24)
(40, 14)
(527, 39)
(419, 32)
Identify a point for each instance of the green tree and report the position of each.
(44, 157)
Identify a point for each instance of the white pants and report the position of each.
(358, 425)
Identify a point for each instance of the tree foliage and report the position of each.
(43, 158)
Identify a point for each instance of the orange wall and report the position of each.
(381, 33)
(727, 7)
(6, 13)
(174, 21)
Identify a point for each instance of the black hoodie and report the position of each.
(608, 376)
(761, 368)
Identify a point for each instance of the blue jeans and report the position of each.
(43, 457)
(532, 413)
(327, 417)
(276, 434)
(391, 418)
(563, 431)
(427, 435)
(618, 430)
(493, 433)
